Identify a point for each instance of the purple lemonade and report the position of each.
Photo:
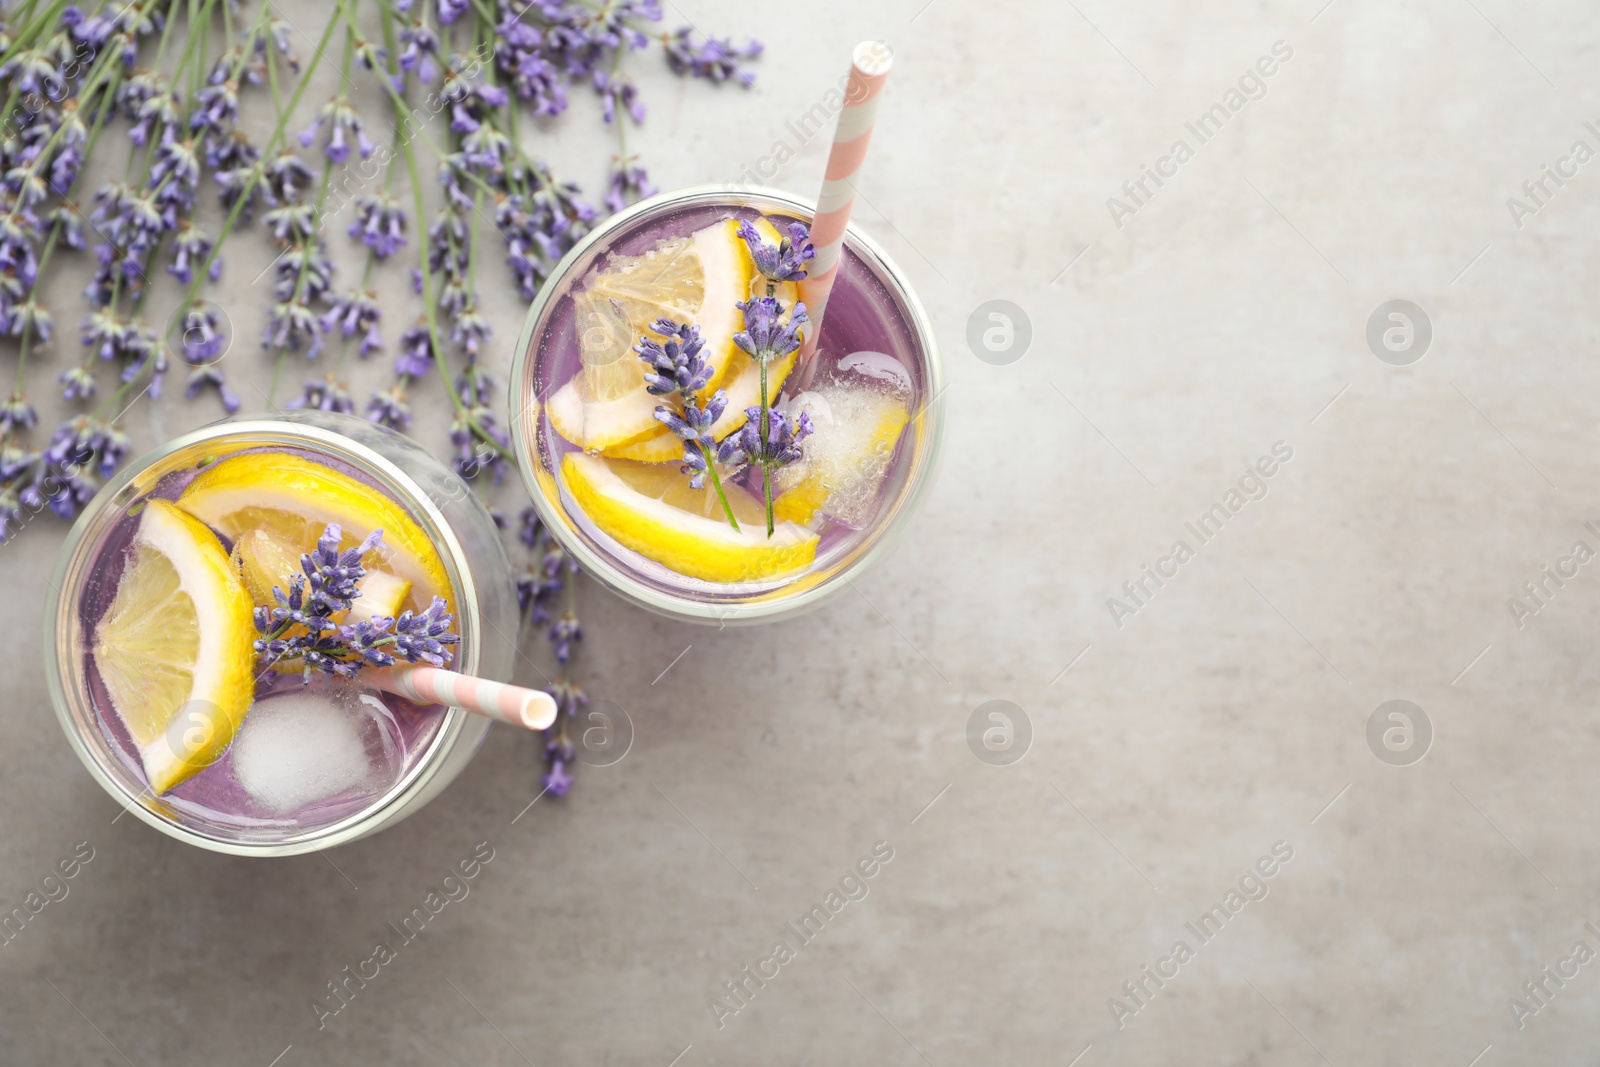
(233, 614)
(661, 490)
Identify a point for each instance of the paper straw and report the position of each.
(530, 709)
(869, 70)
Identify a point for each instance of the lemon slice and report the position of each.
(845, 460)
(651, 509)
(696, 279)
(296, 499)
(743, 392)
(174, 648)
(267, 559)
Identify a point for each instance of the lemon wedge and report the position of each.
(651, 509)
(296, 499)
(845, 461)
(174, 648)
(696, 279)
(267, 559)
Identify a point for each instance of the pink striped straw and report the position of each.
(869, 70)
(530, 709)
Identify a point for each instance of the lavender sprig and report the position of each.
(677, 369)
(548, 575)
(328, 586)
(783, 262)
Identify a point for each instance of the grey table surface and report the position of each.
(1173, 743)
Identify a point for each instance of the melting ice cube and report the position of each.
(857, 413)
(304, 746)
(879, 368)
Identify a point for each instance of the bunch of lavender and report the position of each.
(550, 572)
(302, 628)
(770, 333)
(677, 372)
(69, 74)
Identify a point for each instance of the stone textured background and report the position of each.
(1227, 314)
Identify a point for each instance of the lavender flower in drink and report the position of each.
(783, 262)
(778, 447)
(302, 628)
(424, 637)
(768, 333)
(678, 369)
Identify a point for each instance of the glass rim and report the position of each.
(771, 604)
(72, 562)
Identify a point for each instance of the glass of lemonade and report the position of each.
(149, 628)
(608, 477)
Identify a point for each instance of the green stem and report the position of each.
(711, 469)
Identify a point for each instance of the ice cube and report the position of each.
(304, 746)
(856, 417)
(878, 368)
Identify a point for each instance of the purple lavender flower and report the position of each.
(617, 90)
(17, 414)
(190, 247)
(421, 48)
(344, 125)
(556, 781)
(84, 443)
(282, 33)
(416, 357)
(202, 340)
(28, 318)
(677, 366)
(785, 262)
(469, 331)
(539, 230)
(79, 382)
(425, 637)
(714, 59)
(380, 225)
(328, 394)
(629, 182)
(216, 109)
(329, 584)
(693, 428)
(202, 377)
(530, 526)
(780, 448)
(355, 313)
(766, 336)
(291, 326)
(286, 178)
(232, 163)
(390, 408)
(563, 632)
